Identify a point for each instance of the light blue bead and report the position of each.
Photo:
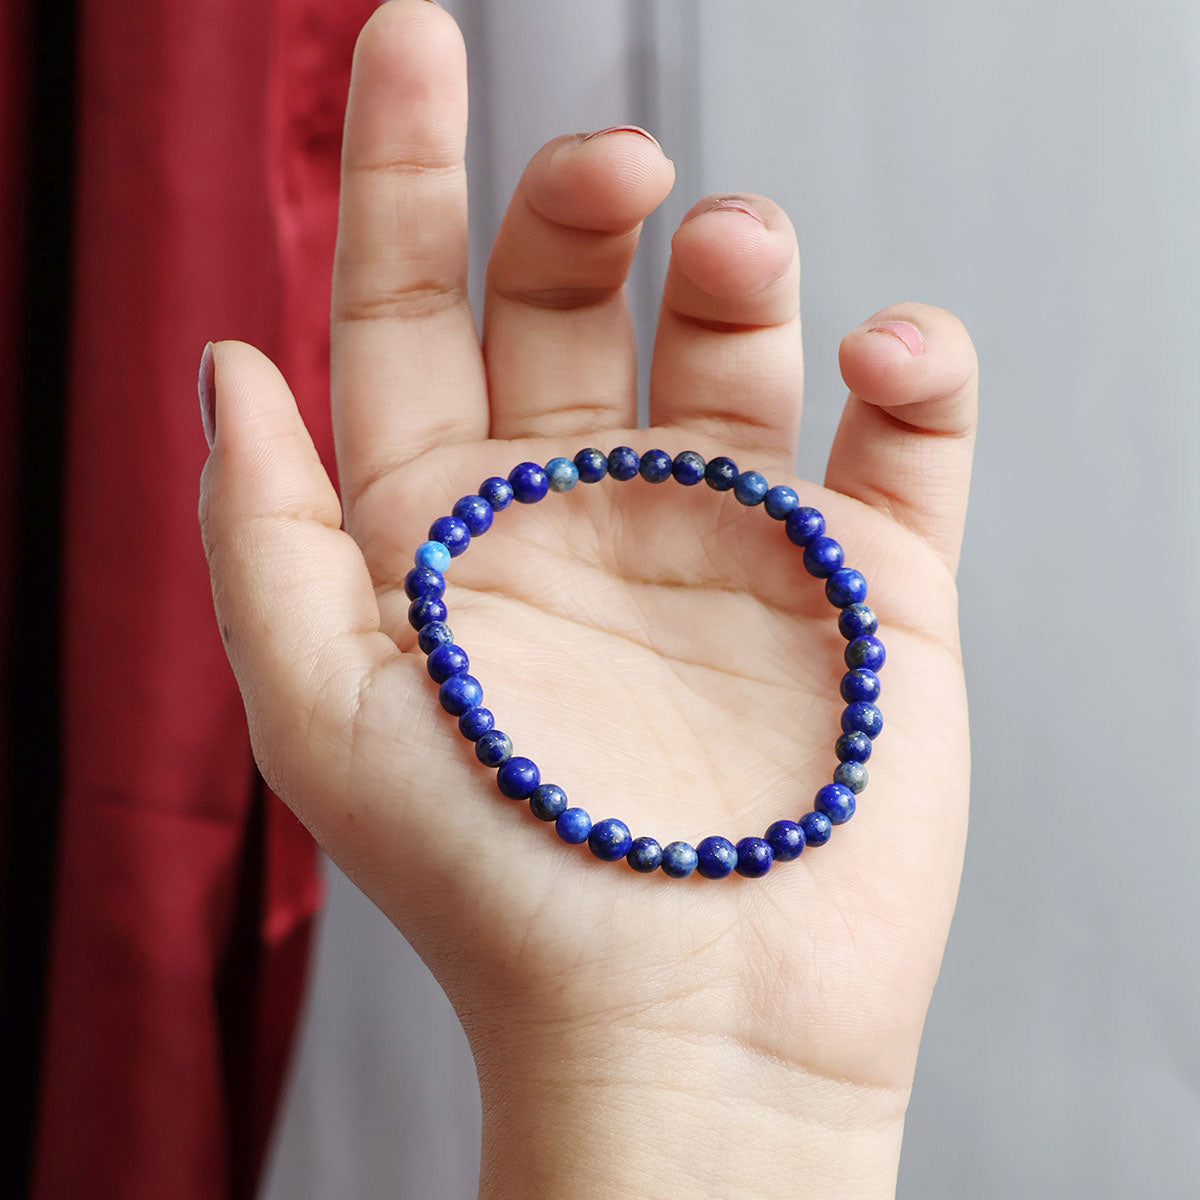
(562, 473)
(433, 555)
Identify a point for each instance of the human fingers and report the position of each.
(557, 335)
(727, 355)
(407, 373)
(907, 435)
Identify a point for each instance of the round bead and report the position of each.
(655, 466)
(721, 473)
(645, 855)
(857, 620)
(864, 717)
(452, 533)
(754, 857)
(529, 483)
(425, 609)
(817, 828)
(787, 840)
(860, 685)
(424, 581)
(562, 473)
(475, 513)
(750, 489)
(459, 693)
(517, 778)
(780, 501)
(688, 468)
(852, 775)
(547, 801)
(434, 634)
(853, 746)
(475, 722)
(445, 661)
(679, 860)
(494, 749)
(866, 651)
(845, 586)
(591, 464)
(497, 492)
(823, 556)
(717, 856)
(802, 525)
(836, 802)
(623, 463)
(609, 839)
(573, 825)
(433, 555)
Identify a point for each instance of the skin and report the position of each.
(661, 653)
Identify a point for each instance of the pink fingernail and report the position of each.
(206, 386)
(910, 335)
(736, 204)
(623, 129)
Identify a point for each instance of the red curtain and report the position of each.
(208, 135)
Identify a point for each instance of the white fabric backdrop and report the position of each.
(1035, 167)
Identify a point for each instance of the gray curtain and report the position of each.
(1035, 167)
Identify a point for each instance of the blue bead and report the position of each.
(688, 468)
(866, 651)
(803, 524)
(591, 465)
(852, 775)
(623, 463)
(679, 860)
(452, 533)
(717, 857)
(864, 717)
(721, 473)
(445, 661)
(645, 855)
(846, 586)
(529, 483)
(573, 825)
(518, 777)
(823, 556)
(750, 489)
(562, 473)
(836, 802)
(860, 685)
(754, 857)
(853, 746)
(609, 839)
(424, 581)
(547, 801)
(434, 634)
(425, 609)
(497, 492)
(433, 555)
(780, 501)
(817, 828)
(475, 513)
(654, 466)
(787, 840)
(459, 693)
(475, 722)
(494, 749)
(857, 620)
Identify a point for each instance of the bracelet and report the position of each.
(518, 777)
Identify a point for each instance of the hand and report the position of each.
(659, 651)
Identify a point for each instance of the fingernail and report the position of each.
(736, 204)
(623, 129)
(206, 385)
(910, 335)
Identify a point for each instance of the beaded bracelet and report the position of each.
(518, 778)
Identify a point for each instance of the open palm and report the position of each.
(659, 651)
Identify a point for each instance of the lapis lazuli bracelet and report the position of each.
(519, 778)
